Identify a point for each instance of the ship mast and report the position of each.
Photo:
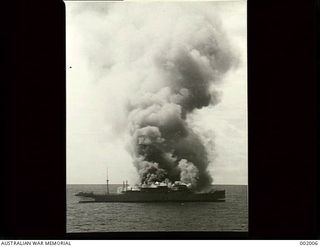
(107, 182)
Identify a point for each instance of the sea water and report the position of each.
(231, 215)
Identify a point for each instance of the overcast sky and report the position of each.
(101, 39)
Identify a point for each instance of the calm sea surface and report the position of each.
(231, 215)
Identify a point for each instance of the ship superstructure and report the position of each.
(154, 192)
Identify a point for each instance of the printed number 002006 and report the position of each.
(308, 242)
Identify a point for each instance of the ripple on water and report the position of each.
(231, 215)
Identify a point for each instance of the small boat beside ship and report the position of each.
(84, 194)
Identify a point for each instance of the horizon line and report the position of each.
(121, 183)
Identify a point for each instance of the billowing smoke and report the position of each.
(189, 173)
(187, 66)
(172, 56)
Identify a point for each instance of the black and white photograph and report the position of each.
(156, 116)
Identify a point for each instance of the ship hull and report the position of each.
(215, 196)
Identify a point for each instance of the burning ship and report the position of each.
(179, 77)
(155, 192)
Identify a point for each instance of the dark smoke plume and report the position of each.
(169, 58)
(184, 70)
